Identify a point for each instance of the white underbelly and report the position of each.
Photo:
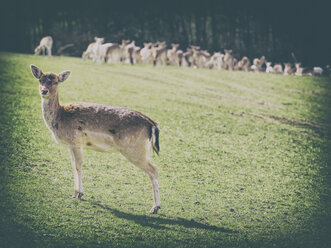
(99, 142)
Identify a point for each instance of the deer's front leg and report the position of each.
(77, 161)
(49, 51)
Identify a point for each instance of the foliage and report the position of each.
(244, 160)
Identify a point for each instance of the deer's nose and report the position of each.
(44, 92)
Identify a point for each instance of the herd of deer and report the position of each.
(158, 54)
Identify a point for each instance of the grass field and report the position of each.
(244, 162)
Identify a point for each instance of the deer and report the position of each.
(215, 61)
(113, 53)
(146, 53)
(159, 54)
(88, 53)
(46, 43)
(258, 63)
(171, 54)
(187, 59)
(277, 68)
(95, 50)
(98, 127)
(288, 69)
(244, 64)
(179, 57)
(228, 60)
(269, 68)
(130, 52)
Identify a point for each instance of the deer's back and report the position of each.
(87, 122)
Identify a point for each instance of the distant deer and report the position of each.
(46, 43)
(130, 52)
(95, 50)
(298, 69)
(244, 64)
(288, 69)
(113, 53)
(277, 68)
(179, 57)
(215, 61)
(258, 63)
(171, 54)
(125, 56)
(269, 68)
(146, 53)
(137, 55)
(88, 53)
(98, 127)
(201, 57)
(159, 54)
(187, 59)
(228, 60)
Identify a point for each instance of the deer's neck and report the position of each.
(50, 108)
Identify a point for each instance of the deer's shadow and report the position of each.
(160, 222)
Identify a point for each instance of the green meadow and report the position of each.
(245, 160)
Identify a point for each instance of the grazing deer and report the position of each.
(46, 43)
(244, 64)
(278, 69)
(98, 127)
(317, 71)
(95, 50)
(88, 53)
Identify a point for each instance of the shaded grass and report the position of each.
(244, 160)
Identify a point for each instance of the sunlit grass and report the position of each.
(244, 160)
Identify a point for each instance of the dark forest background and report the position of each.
(251, 28)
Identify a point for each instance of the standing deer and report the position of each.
(98, 127)
(45, 43)
(171, 54)
(258, 63)
(228, 60)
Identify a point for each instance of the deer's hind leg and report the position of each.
(141, 158)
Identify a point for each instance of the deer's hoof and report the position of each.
(154, 210)
(77, 195)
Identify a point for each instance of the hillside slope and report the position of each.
(244, 162)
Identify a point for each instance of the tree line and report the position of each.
(281, 31)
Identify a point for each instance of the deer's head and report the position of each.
(48, 82)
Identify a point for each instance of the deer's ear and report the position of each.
(36, 71)
(63, 76)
